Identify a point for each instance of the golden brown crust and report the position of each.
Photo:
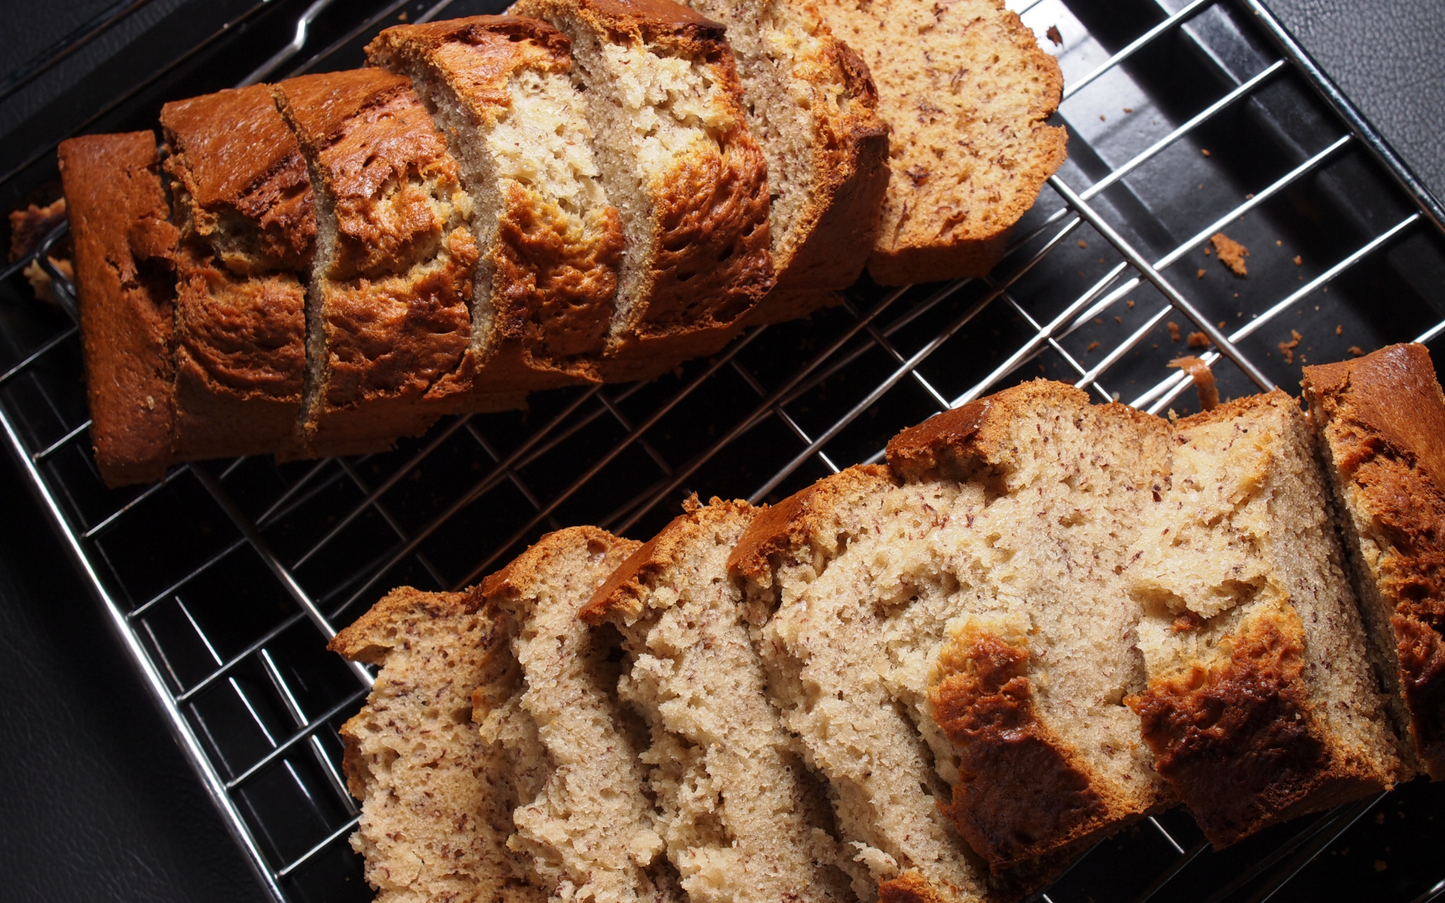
(522, 570)
(372, 635)
(1022, 791)
(553, 280)
(248, 230)
(1382, 418)
(1243, 724)
(124, 256)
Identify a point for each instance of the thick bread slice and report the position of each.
(1260, 704)
(436, 800)
(812, 106)
(248, 227)
(742, 823)
(677, 159)
(124, 266)
(970, 148)
(1379, 422)
(499, 89)
(1020, 613)
(584, 819)
(388, 325)
(814, 598)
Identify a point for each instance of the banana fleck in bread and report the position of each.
(436, 799)
(813, 107)
(743, 821)
(124, 265)
(248, 227)
(583, 820)
(1379, 423)
(388, 318)
(970, 148)
(663, 99)
(550, 242)
(1260, 703)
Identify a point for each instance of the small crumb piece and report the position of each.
(1221, 324)
(1231, 253)
(1249, 197)
(1092, 346)
(1356, 350)
(1204, 151)
(1206, 252)
(1339, 329)
(1379, 818)
(1173, 331)
(1203, 380)
(1129, 304)
(29, 227)
(1053, 35)
(1101, 117)
(1201, 273)
(1197, 340)
(1380, 865)
(1279, 244)
(402, 16)
(1298, 260)
(1287, 348)
(1118, 320)
(1083, 244)
(1128, 109)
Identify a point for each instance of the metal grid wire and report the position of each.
(225, 580)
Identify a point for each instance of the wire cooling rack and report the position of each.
(225, 581)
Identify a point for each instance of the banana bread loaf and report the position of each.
(125, 269)
(1379, 424)
(498, 87)
(663, 98)
(248, 227)
(1260, 703)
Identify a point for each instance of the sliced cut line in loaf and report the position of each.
(499, 88)
(676, 157)
(742, 823)
(1260, 703)
(583, 820)
(436, 800)
(1379, 421)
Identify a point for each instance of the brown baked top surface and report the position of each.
(652, 19)
(124, 249)
(234, 154)
(476, 56)
(523, 570)
(369, 637)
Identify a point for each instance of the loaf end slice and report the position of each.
(585, 820)
(676, 157)
(388, 322)
(550, 241)
(743, 819)
(125, 250)
(436, 799)
(1379, 422)
(1260, 703)
(970, 148)
(248, 228)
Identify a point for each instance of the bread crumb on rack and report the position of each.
(1231, 253)
(1287, 348)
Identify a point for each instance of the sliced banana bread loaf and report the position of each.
(1260, 703)
(498, 86)
(248, 227)
(388, 324)
(125, 272)
(585, 821)
(967, 91)
(663, 98)
(742, 821)
(436, 799)
(1379, 423)
(812, 106)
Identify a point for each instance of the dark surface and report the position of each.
(99, 804)
(1386, 58)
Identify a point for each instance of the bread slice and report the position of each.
(677, 159)
(1260, 704)
(970, 149)
(812, 106)
(248, 225)
(1379, 422)
(124, 266)
(742, 822)
(584, 819)
(388, 324)
(499, 89)
(436, 798)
